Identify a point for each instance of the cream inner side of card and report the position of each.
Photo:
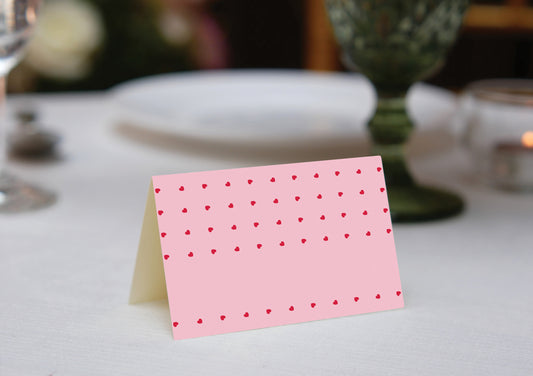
(149, 276)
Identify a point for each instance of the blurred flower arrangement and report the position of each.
(95, 44)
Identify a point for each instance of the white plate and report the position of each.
(266, 107)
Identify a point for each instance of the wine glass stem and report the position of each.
(3, 125)
(390, 128)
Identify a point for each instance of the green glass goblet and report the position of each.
(396, 43)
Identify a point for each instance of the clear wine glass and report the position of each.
(17, 20)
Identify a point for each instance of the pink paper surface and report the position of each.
(263, 246)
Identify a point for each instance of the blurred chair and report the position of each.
(321, 49)
(509, 16)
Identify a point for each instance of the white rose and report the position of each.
(175, 28)
(68, 32)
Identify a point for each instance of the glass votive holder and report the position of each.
(498, 115)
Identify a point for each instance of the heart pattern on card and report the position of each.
(267, 220)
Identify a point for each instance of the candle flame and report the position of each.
(31, 16)
(527, 139)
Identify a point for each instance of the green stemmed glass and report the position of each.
(396, 43)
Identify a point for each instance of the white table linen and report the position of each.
(65, 275)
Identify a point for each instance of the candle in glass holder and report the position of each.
(498, 115)
(512, 164)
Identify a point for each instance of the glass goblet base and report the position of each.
(414, 203)
(17, 196)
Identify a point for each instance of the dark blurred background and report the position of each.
(95, 44)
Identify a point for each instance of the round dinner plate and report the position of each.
(266, 106)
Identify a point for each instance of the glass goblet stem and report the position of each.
(390, 128)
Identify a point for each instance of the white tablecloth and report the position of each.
(65, 275)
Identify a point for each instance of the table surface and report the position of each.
(66, 272)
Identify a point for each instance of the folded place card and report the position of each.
(263, 246)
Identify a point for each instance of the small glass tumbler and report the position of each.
(498, 115)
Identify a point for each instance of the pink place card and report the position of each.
(263, 246)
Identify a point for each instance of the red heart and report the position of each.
(337, 173)
(379, 169)
(190, 254)
(182, 188)
(291, 308)
(365, 212)
(378, 296)
(175, 323)
(313, 305)
(163, 234)
(246, 314)
(256, 224)
(325, 238)
(346, 236)
(199, 321)
(322, 217)
(382, 189)
(230, 205)
(250, 181)
(268, 311)
(335, 302)
(294, 177)
(259, 246)
(278, 222)
(204, 186)
(340, 194)
(316, 175)
(385, 210)
(234, 227)
(184, 210)
(160, 212)
(282, 243)
(303, 241)
(213, 251)
(228, 184)
(252, 202)
(398, 293)
(358, 171)
(166, 257)
(210, 229)
(300, 219)
(368, 233)
(297, 198)
(276, 201)
(207, 207)
(319, 196)
(361, 192)
(272, 180)
(188, 232)
(356, 299)
(389, 231)
(237, 249)
(222, 317)
(157, 190)
(343, 215)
